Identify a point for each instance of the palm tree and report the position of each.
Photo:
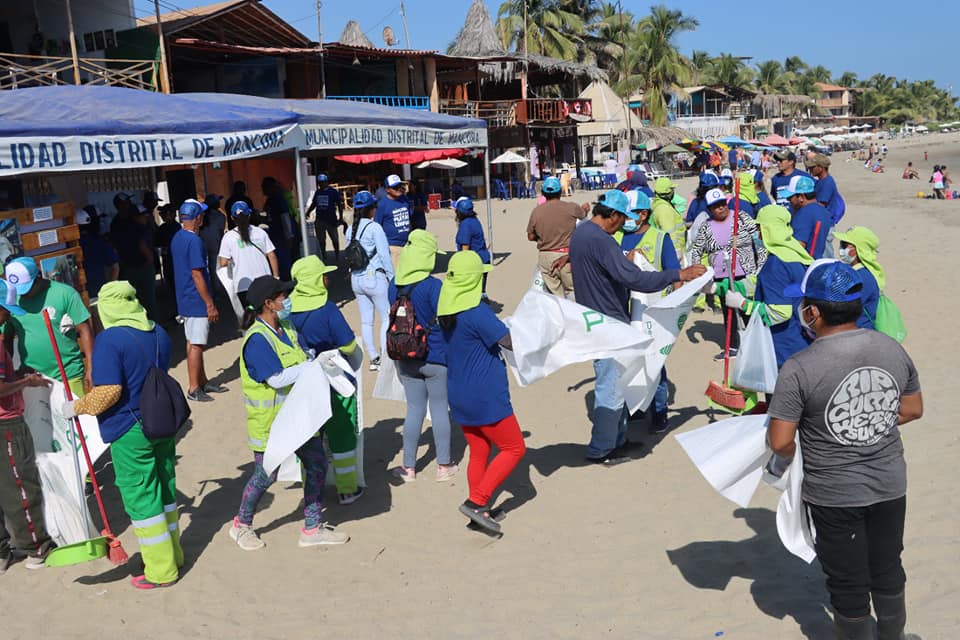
(848, 79)
(819, 73)
(794, 64)
(727, 69)
(551, 30)
(658, 66)
(607, 32)
(770, 78)
(701, 61)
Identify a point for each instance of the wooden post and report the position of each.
(164, 70)
(73, 44)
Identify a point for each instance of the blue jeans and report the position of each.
(609, 410)
(424, 383)
(371, 291)
(663, 393)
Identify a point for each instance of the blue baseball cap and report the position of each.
(463, 205)
(191, 209)
(709, 179)
(322, 177)
(551, 186)
(8, 299)
(240, 208)
(643, 201)
(797, 184)
(828, 280)
(21, 273)
(364, 199)
(617, 200)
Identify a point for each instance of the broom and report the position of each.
(115, 551)
(723, 394)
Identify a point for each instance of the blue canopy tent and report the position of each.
(733, 141)
(336, 126)
(84, 128)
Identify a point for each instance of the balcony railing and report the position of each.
(421, 103)
(509, 113)
(832, 103)
(20, 71)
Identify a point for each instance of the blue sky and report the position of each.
(907, 40)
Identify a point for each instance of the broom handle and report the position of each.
(76, 423)
(733, 271)
(813, 241)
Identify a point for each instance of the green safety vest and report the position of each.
(650, 245)
(262, 401)
(666, 218)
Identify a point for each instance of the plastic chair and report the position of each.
(500, 189)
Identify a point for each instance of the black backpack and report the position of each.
(406, 338)
(163, 407)
(355, 255)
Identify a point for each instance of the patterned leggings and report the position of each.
(313, 459)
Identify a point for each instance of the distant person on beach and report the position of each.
(328, 204)
(610, 170)
(846, 396)
(909, 173)
(470, 235)
(937, 180)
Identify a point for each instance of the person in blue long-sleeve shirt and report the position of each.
(603, 278)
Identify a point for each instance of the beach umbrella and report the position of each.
(774, 140)
(796, 140)
(449, 163)
(672, 148)
(509, 157)
(867, 126)
(733, 141)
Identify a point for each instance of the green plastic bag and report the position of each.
(888, 320)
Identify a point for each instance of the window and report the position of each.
(99, 40)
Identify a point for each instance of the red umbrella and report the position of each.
(774, 140)
(797, 140)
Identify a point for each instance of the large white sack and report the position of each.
(226, 279)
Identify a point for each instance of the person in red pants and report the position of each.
(477, 388)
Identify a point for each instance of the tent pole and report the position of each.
(486, 179)
(301, 200)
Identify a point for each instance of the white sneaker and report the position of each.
(375, 364)
(445, 473)
(245, 537)
(324, 534)
(34, 562)
(407, 474)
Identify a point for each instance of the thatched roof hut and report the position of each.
(477, 38)
(662, 135)
(772, 102)
(354, 36)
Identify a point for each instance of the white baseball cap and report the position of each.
(714, 196)
(393, 181)
(21, 273)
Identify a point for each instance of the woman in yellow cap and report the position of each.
(321, 327)
(858, 248)
(424, 379)
(477, 387)
(123, 353)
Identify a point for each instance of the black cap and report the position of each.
(264, 288)
(783, 154)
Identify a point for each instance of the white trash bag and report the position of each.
(755, 369)
(536, 281)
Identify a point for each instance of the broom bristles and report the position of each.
(115, 551)
(725, 396)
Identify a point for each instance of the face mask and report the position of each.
(284, 312)
(846, 257)
(629, 226)
(807, 329)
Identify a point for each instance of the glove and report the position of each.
(777, 466)
(734, 299)
(69, 409)
(722, 287)
(66, 324)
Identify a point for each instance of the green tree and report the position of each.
(770, 78)
(727, 69)
(794, 64)
(848, 79)
(607, 33)
(551, 28)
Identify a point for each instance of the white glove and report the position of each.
(734, 299)
(66, 324)
(709, 289)
(69, 409)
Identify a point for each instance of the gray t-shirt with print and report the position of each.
(844, 391)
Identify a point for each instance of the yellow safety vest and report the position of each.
(665, 217)
(262, 401)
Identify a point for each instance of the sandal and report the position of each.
(141, 582)
(480, 515)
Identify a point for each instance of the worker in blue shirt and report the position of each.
(329, 207)
(396, 215)
(810, 221)
(763, 198)
(787, 163)
(858, 248)
(470, 235)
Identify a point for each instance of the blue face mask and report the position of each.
(629, 226)
(284, 313)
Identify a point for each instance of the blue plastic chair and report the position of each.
(500, 189)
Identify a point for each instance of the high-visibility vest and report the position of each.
(665, 217)
(262, 401)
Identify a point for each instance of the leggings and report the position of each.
(859, 549)
(314, 461)
(485, 475)
(424, 383)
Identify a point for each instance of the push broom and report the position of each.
(90, 549)
(723, 394)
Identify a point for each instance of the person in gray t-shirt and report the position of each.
(846, 394)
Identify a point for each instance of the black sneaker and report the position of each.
(214, 388)
(612, 459)
(720, 356)
(199, 395)
(660, 423)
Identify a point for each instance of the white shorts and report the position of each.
(197, 330)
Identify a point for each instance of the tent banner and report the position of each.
(378, 136)
(90, 153)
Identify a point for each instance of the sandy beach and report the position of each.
(644, 550)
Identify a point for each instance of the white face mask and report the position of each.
(807, 328)
(847, 256)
